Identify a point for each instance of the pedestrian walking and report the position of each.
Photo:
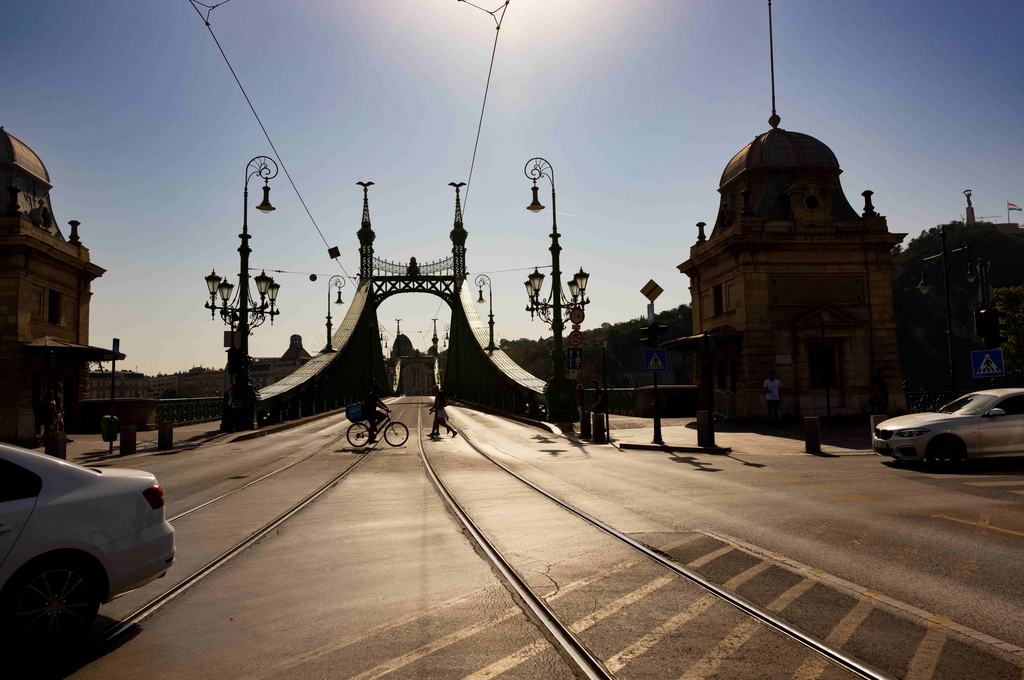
(771, 391)
(440, 415)
(879, 399)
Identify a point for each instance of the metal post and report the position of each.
(328, 347)
(828, 396)
(604, 371)
(657, 414)
(113, 378)
(490, 315)
(711, 390)
(949, 323)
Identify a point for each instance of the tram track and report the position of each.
(559, 631)
(92, 648)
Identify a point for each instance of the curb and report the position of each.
(281, 427)
(715, 450)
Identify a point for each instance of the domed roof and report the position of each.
(402, 346)
(13, 150)
(780, 149)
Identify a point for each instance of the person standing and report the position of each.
(440, 415)
(879, 399)
(771, 391)
(599, 402)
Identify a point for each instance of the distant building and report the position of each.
(203, 382)
(269, 370)
(45, 288)
(127, 385)
(163, 386)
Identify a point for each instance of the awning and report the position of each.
(69, 350)
(689, 343)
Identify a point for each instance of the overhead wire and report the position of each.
(497, 31)
(206, 20)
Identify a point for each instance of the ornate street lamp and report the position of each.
(924, 287)
(480, 281)
(240, 311)
(336, 282)
(556, 307)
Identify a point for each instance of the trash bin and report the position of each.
(109, 428)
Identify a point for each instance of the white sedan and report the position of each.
(72, 538)
(984, 424)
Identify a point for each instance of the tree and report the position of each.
(1010, 300)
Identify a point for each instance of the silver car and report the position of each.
(984, 424)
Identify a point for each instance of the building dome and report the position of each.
(774, 171)
(20, 167)
(783, 150)
(402, 347)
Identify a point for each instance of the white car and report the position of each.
(72, 538)
(984, 424)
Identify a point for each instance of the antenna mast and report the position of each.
(774, 120)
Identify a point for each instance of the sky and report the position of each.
(638, 106)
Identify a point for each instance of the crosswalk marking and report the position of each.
(723, 650)
(787, 598)
(741, 578)
(701, 561)
(815, 664)
(655, 636)
(922, 666)
(624, 601)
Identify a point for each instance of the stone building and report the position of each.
(45, 282)
(127, 385)
(199, 382)
(269, 370)
(787, 260)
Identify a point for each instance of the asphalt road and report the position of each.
(910, 571)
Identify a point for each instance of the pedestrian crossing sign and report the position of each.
(987, 363)
(654, 361)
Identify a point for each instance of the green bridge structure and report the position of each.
(345, 373)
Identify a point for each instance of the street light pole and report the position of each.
(480, 281)
(826, 376)
(558, 392)
(337, 281)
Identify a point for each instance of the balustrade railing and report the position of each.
(188, 411)
(443, 267)
(923, 402)
(622, 401)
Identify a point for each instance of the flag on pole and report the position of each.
(1012, 206)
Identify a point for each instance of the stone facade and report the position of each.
(45, 284)
(127, 385)
(788, 256)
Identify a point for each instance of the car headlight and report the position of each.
(910, 433)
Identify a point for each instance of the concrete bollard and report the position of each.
(584, 423)
(165, 438)
(812, 434)
(704, 433)
(57, 445)
(597, 426)
(875, 420)
(128, 439)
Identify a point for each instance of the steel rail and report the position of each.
(119, 629)
(581, 657)
(847, 662)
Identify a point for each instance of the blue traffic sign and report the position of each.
(574, 358)
(655, 361)
(117, 345)
(987, 363)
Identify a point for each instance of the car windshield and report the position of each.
(969, 405)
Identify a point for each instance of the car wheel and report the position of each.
(946, 450)
(53, 601)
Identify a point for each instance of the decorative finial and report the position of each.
(774, 119)
(700, 232)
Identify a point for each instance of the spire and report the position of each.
(366, 236)
(434, 338)
(774, 119)
(458, 236)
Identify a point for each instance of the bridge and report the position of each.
(473, 373)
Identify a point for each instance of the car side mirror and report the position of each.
(996, 412)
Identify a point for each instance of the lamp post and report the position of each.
(241, 313)
(336, 282)
(924, 287)
(551, 309)
(480, 281)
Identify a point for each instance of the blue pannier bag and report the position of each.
(354, 412)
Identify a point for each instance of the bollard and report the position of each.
(875, 420)
(128, 440)
(584, 423)
(165, 438)
(705, 437)
(57, 445)
(812, 435)
(597, 423)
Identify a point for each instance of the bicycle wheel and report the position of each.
(358, 434)
(396, 434)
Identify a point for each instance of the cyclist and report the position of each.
(370, 412)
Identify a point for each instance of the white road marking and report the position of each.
(922, 666)
(726, 648)
(815, 664)
(655, 636)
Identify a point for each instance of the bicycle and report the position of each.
(395, 433)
